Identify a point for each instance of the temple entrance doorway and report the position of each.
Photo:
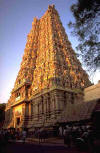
(18, 120)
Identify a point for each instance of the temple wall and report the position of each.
(9, 117)
(92, 92)
(48, 108)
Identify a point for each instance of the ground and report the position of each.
(51, 145)
(38, 148)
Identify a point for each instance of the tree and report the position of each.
(2, 113)
(87, 29)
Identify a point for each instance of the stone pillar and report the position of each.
(23, 114)
(45, 104)
(36, 109)
(31, 109)
(14, 118)
(42, 103)
(52, 101)
(59, 100)
(68, 97)
(49, 103)
(30, 113)
(26, 109)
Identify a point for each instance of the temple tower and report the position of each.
(50, 78)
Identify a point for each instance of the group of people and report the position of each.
(39, 133)
(6, 135)
(42, 135)
(10, 135)
(81, 136)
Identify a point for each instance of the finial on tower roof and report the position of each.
(35, 19)
(51, 6)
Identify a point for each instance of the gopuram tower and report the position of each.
(50, 78)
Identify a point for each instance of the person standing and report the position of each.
(24, 135)
(64, 134)
(67, 137)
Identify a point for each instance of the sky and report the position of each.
(16, 18)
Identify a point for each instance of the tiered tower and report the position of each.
(50, 76)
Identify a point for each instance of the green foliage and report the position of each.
(87, 29)
(2, 112)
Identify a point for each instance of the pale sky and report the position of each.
(16, 18)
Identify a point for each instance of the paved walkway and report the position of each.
(57, 144)
(50, 141)
(57, 141)
(38, 148)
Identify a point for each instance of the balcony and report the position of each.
(17, 98)
(26, 82)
